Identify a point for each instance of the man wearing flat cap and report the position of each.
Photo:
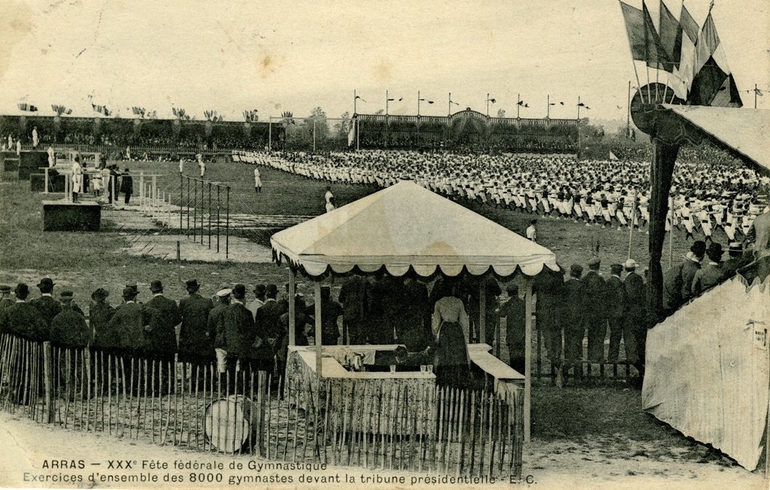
(5, 297)
(196, 341)
(595, 315)
(711, 273)
(216, 323)
(22, 318)
(46, 304)
(573, 317)
(100, 314)
(160, 316)
(69, 328)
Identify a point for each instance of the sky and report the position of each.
(294, 56)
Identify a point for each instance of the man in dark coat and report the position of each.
(69, 328)
(46, 304)
(23, 319)
(127, 185)
(414, 330)
(216, 324)
(573, 317)
(5, 297)
(196, 341)
(100, 314)
(354, 298)
(268, 330)
(690, 266)
(615, 301)
(160, 316)
(239, 333)
(492, 291)
(595, 317)
(514, 312)
(330, 312)
(737, 260)
(635, 330)
(549, 286)
(128, 325)
(710, 274)
(677, 281)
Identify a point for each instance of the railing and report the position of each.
(334, 421)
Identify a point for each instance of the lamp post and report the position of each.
(451, 102)
(389, 99)
(488, 101)
(420, 99)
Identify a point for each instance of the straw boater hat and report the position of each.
(630, 264)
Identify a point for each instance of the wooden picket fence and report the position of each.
(385, 425)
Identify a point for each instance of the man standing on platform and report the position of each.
(127, 185)
(45, 304)
(354, 298)
(77, 178)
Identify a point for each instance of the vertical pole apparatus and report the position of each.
(227, 225)
(218, 206)
(292, 308)
(209, 215)
(181, 193)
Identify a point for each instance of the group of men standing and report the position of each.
(588, 306)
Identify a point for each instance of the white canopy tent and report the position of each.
(406, 227)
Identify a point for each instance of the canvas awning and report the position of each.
(406, 226)
(742, 131)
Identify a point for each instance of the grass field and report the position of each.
(82, 262)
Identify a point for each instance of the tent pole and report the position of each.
(528, 360)
(292, 308)
(767, 422)
(317, 288)
(482, 312)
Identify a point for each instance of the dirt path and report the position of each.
(29, 447)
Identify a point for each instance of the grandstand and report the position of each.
(153, 136)
(464, 130)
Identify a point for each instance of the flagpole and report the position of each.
(449, 105)
(386, 102)
(631, 228)
(628, 112)
(548, 107)
(518, 105)
(755, 95)
(355, 97)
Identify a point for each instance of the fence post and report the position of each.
(262, 390)
(218, 206)
(48, 382)
(209, 215)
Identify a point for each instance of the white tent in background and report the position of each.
(406, 227)
(613, 157)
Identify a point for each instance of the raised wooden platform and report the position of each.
(68, 216)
